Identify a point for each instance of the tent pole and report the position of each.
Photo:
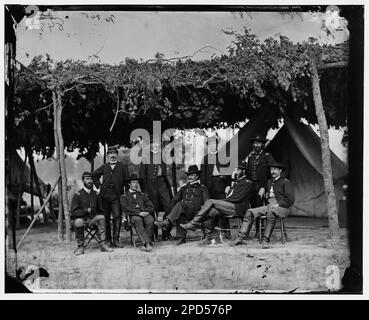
(20, 192)
(38, 213)
(38, 188)
(32, 200)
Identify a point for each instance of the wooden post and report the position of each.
(38, 213)
(326, 155)
(58, 97)
(20, 191)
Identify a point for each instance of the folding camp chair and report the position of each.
(281, 225)
(90, 234)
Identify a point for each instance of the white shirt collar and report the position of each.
(87, 190)
(194, 182)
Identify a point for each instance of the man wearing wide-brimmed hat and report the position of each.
(140, 209)
(280, 197)
(87, 210)
(258, 172)
(186, 202)
(154, 181)
(115, 175)
(235, 204)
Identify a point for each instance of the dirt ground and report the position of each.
(302, 264)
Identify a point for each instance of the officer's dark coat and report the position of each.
(215, 187)
(194, 195)
(242, 190)
(148, 175)
(129, 203)
(283, 190)
(117, 177)
(81, 201)
(257, 169)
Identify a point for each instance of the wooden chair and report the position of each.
(133, 231)
(281, 225)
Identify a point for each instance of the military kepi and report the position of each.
(112, 149)
(87, 174)
(193, 169)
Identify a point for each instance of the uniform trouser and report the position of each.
(225, 209)
(144, 227)
(181, 213)
(80, 225)
(112, 209)
(255, 213)
(256, 202)
(216, 191)
(159, 195)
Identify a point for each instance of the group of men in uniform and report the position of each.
(208, 198)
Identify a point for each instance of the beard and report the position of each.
(88, 185)
(258, 149)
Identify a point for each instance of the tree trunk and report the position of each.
(104, 152)
(92, 165)
(326, 156)
(59, 105)
(20, 191)
(57, 155)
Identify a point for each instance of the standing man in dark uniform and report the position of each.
(115, 175)
(154, 181)
(213, 180)
(87, 210)
(186, 202)
(257, 171)
(280, 197)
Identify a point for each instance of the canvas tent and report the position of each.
(16, 165)
(298, 147)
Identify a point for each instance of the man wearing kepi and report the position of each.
(187, 201)
(115, 176)
(154, 181)
(280, 197)
(138, 206)
(258, 172)
(87, 210)
(235, 203)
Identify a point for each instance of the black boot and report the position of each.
(269, 227)
(116, 229)
(80, 236)
(100, 236)
(243, 234)
(257, 228)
